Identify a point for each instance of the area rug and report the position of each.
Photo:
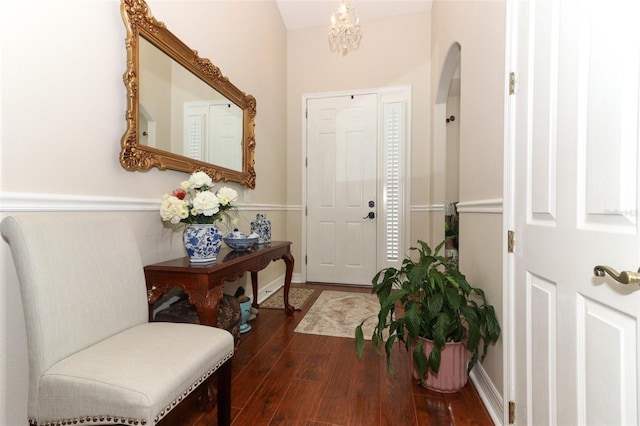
(298, 297)
(337, 313)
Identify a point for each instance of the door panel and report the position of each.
(543, 296)
(341, 180)
(608, 393)
(225, 140)
(577, 119)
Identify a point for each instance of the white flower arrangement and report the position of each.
(197, 202)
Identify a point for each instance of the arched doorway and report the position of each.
(447, 137)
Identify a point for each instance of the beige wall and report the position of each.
(479, 27)
(62, 117)
(394, 52)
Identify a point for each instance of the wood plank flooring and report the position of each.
(286, 378)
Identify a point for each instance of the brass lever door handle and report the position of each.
(624, 277)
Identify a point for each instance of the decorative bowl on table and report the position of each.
(239, 241)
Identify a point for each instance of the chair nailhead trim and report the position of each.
(191, 388)
(96, 420)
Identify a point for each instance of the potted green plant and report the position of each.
(427, 305)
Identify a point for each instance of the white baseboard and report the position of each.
(267, 290)
(490, 396)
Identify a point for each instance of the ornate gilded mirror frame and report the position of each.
(140, 22)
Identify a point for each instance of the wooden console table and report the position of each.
(203, 283)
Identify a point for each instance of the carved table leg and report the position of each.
(153, 295)
(288, 261)
(207, 304)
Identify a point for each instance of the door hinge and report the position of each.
(306, 210)
(306, 113)
(512, 83)
(305, 259)
(512, 412)
(511, 238)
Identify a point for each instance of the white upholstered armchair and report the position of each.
(93, 356)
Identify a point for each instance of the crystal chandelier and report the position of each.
(344, 31)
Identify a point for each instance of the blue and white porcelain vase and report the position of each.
(262, 227)
(202, 242)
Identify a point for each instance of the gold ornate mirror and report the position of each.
(182, 113)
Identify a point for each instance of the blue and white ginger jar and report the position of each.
(202, 242)
(262, 227)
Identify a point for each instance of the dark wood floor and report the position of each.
(286, 378)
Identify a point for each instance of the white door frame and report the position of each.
(385, 95)
(508, 216)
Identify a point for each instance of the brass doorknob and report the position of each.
(624, 277)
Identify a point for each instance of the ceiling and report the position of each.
(299, 14)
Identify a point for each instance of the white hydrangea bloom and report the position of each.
(173, 209)
(200, 179)
(206, 203)
(227, 195)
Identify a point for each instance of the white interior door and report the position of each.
(576, 148)
(341, 182)
(213, 133)
(225, 138)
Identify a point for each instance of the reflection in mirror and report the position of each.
(182, 114)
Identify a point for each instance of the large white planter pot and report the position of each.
(452, 375)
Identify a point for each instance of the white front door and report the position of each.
(576, 206)
(341, 184)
